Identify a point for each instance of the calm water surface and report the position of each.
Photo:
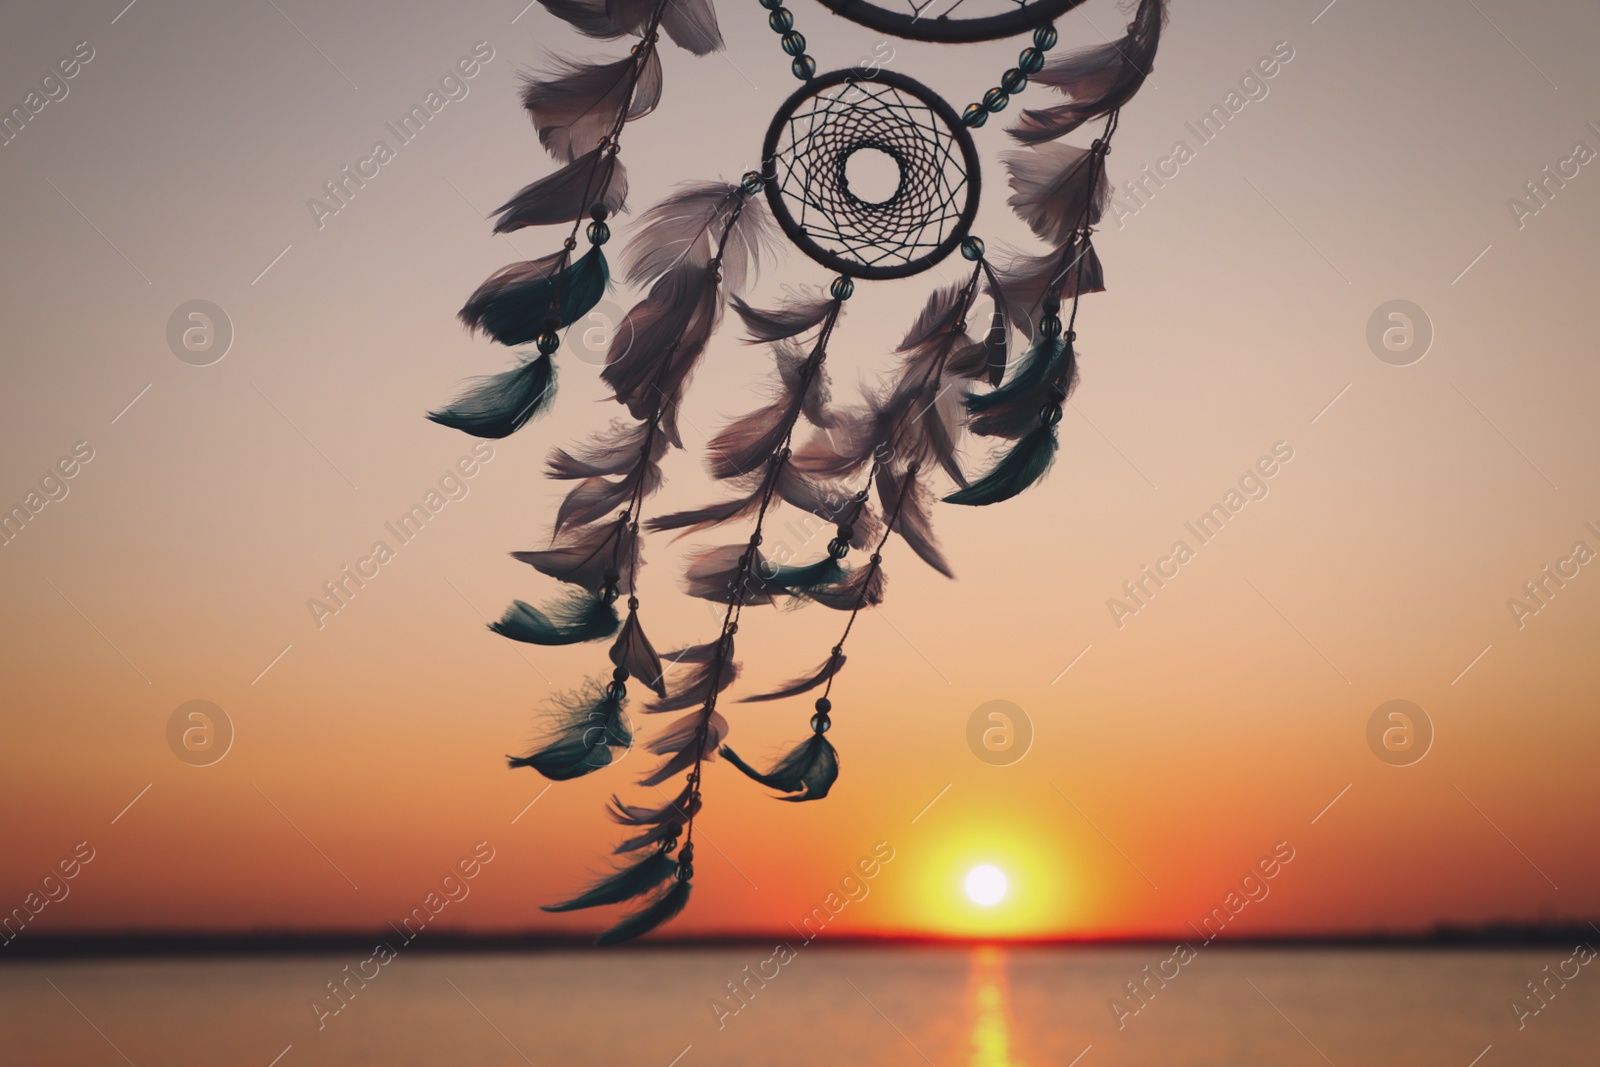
(948, 1007)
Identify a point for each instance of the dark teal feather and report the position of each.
(624, 884)
(1025, 464)
(580, 617)
(499, 405)
(810, 769)
(511, 306)
(589, 727)
(1031, 374)
(825, 571)
(644, 920)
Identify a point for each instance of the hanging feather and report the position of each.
(939, 316)
(1097, 80)
(686, 229)
(1053, 185)
(833, 666)
(1074, 269)
(590, 728)
(658, 911)
(637, 815)
(597, 497)
(997, 339)
(583, 556)
(498, 405)
(862, 587)
(672, 323)
(653, 836)
(808, 580)
(903, 496)
(719, 575)
(1012, 410)
(513, 304)
(799, 311)
(612, 451)
(588, 17)
(680, 807)
(575, 106)
(810, 769)
(706, 674)
(693, 519)
(678, 744)
(1020, 468)
(622, 885)
(567, 195)
(692, 25)
(580, 617)
(634, 654)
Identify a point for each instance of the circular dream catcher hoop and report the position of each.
(872, 468)
(820, 136)
(951, 21)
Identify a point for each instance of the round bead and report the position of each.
(611, 576)
(781, 20)
(996, 99)
(751, 181)
(547, 342)
(1050, 326)
(1050, 415)
(771, 4)
(1031, 61)
(1013, 81)
(838, 549)
(620, 674)
(599, 212)
(1052, 303)
(972, 248)
(974, 116)
(794, 43)
(685, 870)
(687, 855)
(1057, 393)
(824, 705)
(1044, 38)
(569, 244)
(842, 288)
(599, 233)
(820, 723)
(616, 690)
(804, 67)
(846, 532)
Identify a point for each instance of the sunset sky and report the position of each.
(1174, 747)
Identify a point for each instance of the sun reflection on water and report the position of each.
(989, 1008)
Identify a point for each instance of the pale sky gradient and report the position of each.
(1175, 752)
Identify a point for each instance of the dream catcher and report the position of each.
(872, 471)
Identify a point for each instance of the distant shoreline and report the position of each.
(171, 943)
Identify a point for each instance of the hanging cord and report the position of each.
(810, 372)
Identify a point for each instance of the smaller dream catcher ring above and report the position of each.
(836, 120)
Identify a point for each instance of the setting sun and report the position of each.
(986, 885)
